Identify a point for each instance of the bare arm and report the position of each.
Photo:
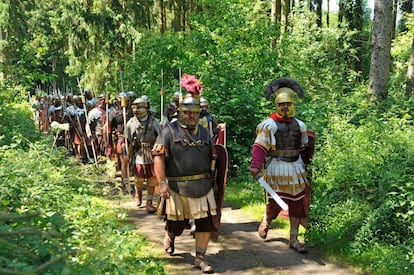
(159, 169)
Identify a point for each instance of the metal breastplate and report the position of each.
(188, 165)
(288, 141)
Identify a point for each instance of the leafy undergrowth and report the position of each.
(53, 222)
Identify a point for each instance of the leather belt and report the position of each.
(283, 153)
(192, 177)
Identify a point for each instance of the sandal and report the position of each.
(168, 243)
(298, 247)
(263, 228)
(204, 266)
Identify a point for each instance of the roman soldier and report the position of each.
(183, 155)
(75, 115)
(207, 120)
(277, 152)
(171, 110)
(142, 130)
(118, 118)
(97, 121)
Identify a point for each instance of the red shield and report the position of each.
(221, 134)
(219, 185)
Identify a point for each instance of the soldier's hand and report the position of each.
(164, 190)
(253, 171)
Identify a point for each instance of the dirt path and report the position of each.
(238, 251)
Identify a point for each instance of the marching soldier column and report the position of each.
(124, 131)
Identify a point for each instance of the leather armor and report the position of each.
(143, 139)
(288, 141)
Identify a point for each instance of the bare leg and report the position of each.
(139, 184)
(294, 231)
(201, 242)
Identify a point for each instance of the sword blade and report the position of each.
(272, 193)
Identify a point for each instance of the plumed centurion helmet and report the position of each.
(284, 89)
(190, 102)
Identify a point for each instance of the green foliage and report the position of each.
(16, 118)
(362, 182)
(242, 192)
(362, 173)
(50, 222)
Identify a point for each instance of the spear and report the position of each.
(162, 94)
(88, 129)
(179, 83)
(107, 123)
(124, 106)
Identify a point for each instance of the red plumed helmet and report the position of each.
(191, 84)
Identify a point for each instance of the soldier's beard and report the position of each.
(191, 128)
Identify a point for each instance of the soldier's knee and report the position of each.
(139, 182)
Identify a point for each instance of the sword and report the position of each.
(271, 192)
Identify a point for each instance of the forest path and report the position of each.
(239, 249)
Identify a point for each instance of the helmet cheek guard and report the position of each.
(189, 103)
(285, 95)
(140, 107)
(284, 89)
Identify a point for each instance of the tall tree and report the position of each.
(381, 48)
(16, 57)
(406, 8)
(394, 17)
(163, 15)
(319, 13)
(409, 88)
(285, 14)
(327, 12)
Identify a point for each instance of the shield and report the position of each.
(221, 135)
(307, 159)
(307, 154)
(219, 185)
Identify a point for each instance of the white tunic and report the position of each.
(286, 178)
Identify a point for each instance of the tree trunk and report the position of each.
(319, 13)
(273, 19)
(409, 88)
(2, 56)
(358, 24)
(381, 48)
(340, 13)
(278, 12)
(285, 14)
(394, 18)
(327, 13)
(406, 7)
(163, 17)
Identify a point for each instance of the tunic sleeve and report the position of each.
(162, 143)
(265, 134)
